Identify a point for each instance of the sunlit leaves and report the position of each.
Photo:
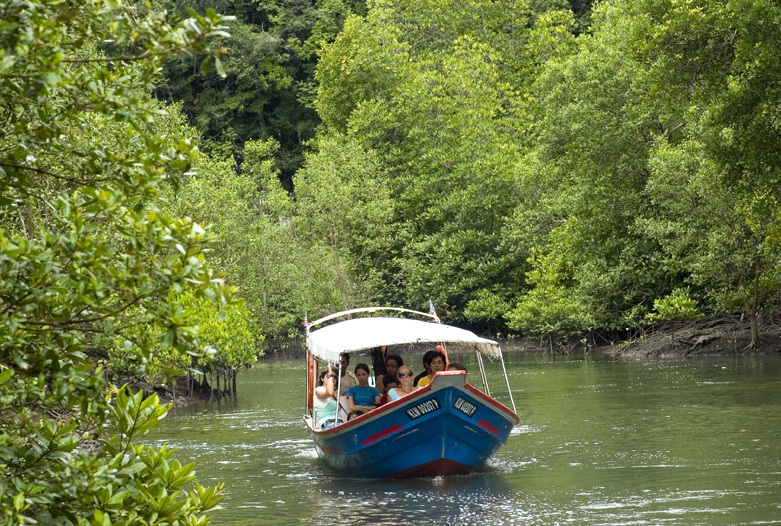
(87, 257)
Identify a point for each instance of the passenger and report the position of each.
(392, 364)
(390, 381)
(426, 361)
(325, 400)
(456, 366)
(405, 381)
(436, 362)
(362, 397)
(348, 379)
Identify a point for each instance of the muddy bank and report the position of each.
(703, 339)
(714, 337)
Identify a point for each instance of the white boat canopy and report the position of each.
(359, 334)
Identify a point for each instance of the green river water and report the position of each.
(601, 441)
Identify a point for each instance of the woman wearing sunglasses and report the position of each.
(325, 400)
(405, 384)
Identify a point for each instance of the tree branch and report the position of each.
(43, 172)
(123, 58)
(68, 323)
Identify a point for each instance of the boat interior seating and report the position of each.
(344, 408)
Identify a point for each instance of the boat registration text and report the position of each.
(423, 408)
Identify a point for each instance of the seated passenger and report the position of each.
(436, 362)
(405, 381)
(392, 364)
(325, 400)
(362, 397)
(456, 366)
(390, 381)
(426, 361)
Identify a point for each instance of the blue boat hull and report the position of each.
(445, 428)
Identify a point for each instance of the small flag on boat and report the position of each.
(431, 310)
(306, 320)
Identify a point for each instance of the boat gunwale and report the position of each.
(416, 394)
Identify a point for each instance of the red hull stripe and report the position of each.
(487, 426)
(382, 434)
(506, 410)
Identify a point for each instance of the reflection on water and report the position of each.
(601, 442)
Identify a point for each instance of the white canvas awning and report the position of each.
(365, 333)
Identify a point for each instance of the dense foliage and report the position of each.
(92, 269)
(268, 86)
(546, 179)
(527, 167)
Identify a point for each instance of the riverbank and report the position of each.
(696, 339)
(178, 395)
(713, 337)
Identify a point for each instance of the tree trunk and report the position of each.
(752, 306)
(753, 319)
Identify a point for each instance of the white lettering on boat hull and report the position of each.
(423, 408)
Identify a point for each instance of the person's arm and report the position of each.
(361, 408)
(329, 385)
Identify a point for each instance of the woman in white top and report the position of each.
(325, 400)
(405, 384)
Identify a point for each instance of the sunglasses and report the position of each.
(405, 375)
(330, 376)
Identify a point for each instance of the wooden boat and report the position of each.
(447, 427)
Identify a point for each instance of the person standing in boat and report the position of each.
(405, 381)
(379, 357)
(325, 400)
(348, 379)
(436, 363)
(362, 398)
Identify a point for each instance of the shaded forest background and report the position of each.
(181, 185)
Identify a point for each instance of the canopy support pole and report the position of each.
(482, 374)
(309, 385)
(509, 390)
(338, 394)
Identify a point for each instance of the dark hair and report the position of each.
(396, 358)
(346, 356)
(458, 366)
(322, 377)
(389, 379)
(362, 366)
(430, 355)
